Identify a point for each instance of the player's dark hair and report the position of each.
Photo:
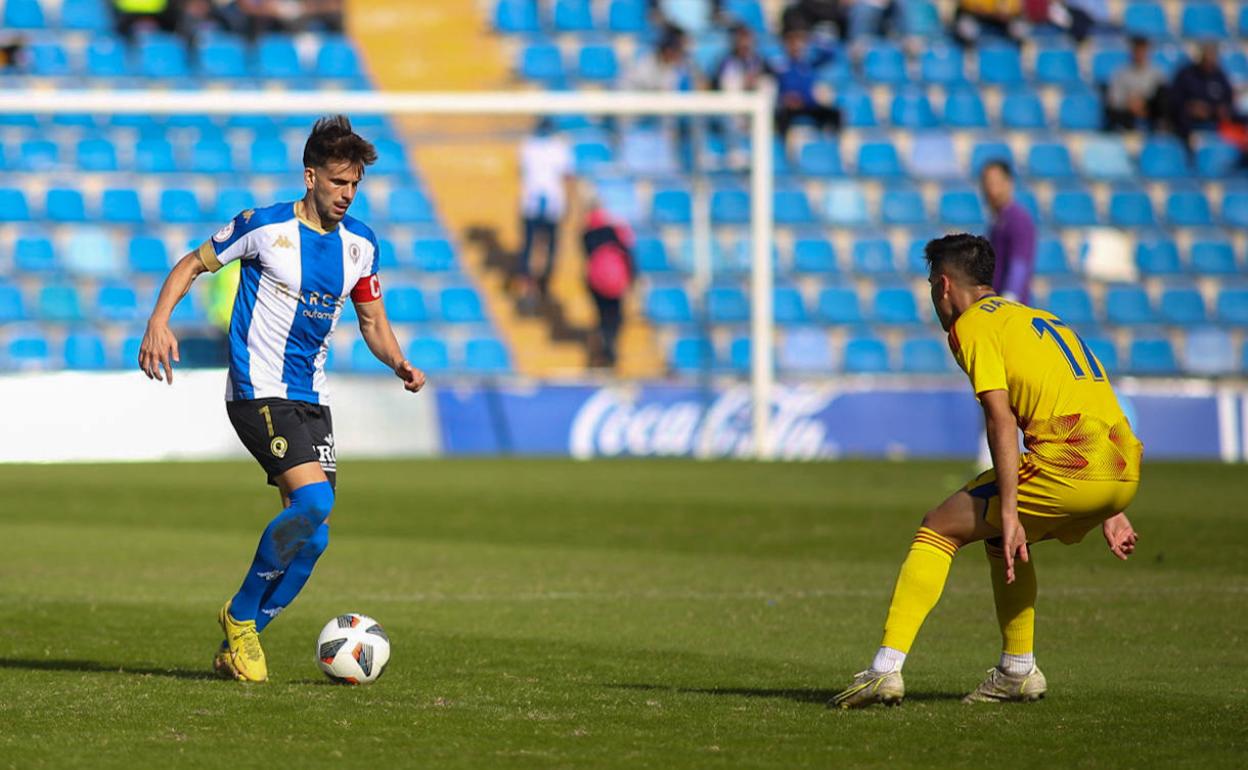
(968, 255)
(1005, 167)
(333, 140)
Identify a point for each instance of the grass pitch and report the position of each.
(613, 614)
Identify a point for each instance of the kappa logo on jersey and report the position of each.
(248, 214)
(224, 233)
(283, 242)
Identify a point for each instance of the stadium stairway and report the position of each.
(448, 46)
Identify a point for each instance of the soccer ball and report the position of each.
(353, 649)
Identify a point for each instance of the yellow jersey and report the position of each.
(1060, 394)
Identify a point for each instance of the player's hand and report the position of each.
(413, 378)
(158, 349)
(1014, 539)
(1120, 536)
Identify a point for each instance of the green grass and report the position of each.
(559, 614)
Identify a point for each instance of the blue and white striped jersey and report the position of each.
(294, 280)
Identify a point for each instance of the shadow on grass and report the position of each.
(797, 695)
(98, 667)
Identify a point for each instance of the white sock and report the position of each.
(1017, 665)
(888, 659)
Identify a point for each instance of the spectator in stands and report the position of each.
(12, 52)
(1070, 16)
(794, 72)
(667, 68)
(545, 179)
(131, 16)
(1201, 98)
(810, 14)
(1012, 235)
(1137, 93)
(975, 18)
(609, 274)
(742, 68)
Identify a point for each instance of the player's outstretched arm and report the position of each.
(159, 348)
(1120, 536)
(377, 334)
(1002, 429)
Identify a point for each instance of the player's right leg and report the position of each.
(1015, 678)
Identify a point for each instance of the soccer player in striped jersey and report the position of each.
(1029, 370)
(300, 263)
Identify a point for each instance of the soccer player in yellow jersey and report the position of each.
(1030, 371)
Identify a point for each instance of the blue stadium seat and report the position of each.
(121, 206)
(1106, 62)
(1022, 110)
(1153, 356)
(1145, 19)
(879, 159)
(804, 350)
(277, 57)
(34, 253)
(787, 306)
(106, 58)
(911, 109)
(188, 312)
(597, 63)
(542, 62)
(1128, 305)
(1072, 305)
(429, 354)
(965, 109)
(1050, 161)
(573, 16)
(117, 302)
(866, 355)
(1130, 208)
(387, 257)
(96, 155)
(28, 351)
(821, 157)
(1105, 158)
(13, 207)
(91, 252)
(1234, 208)
(1074, 208)
(857, 109)
(434, 255)
(961, 208)
(460, 304)
(792, 207)
(727, 305)
(84, 351)
(1157, 256)
(148, 255)
(650, 255)
(1163, 158)
(648, 151)
(1232, 306)
(1203, 21)
(839, 305)
(588, 156)
(1058, 66)
(748, 12)
(1209, 352)
(212, 156)
(885, 63)
(873, 256)
(895, 306)
(337, 60)
(987, 151)
(941, 64)
(362, 360)
(269, 156)
(730, 206)
(845, 204)
(671, 206)
(1080, 111)
(154, 156)
(49, 59)
(391, 158)
(1188, 208)
(1216, 159)
(814, 255)
(405, 304)
(23, 14)
(933, 155)
(924, 355)
(1184, 306)
(627, 17)
(920, 18)
(410, 205)
(161, 56)
(38, 155)
(12, 306)
(513, 16)
(179, 206)
(1212, 256)
(64, 205)
(1243, 32)
(902, 206)
(690, 355)
(1000, 65)
(1051, 257)
(221, 57)
(59, 302)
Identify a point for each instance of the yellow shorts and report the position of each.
(1052, 507)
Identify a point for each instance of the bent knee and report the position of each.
(315, 501)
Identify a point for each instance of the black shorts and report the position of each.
(281, 434)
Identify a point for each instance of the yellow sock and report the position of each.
(1016, 602)
(919, 585)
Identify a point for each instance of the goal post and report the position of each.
(756, 107)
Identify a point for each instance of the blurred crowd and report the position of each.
(243, 17)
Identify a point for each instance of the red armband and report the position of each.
(367, 289)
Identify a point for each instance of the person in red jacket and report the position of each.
(608, 274)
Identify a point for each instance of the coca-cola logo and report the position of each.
(618, 421)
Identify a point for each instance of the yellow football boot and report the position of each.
(222, 666)
(246, 656)
(871, 687)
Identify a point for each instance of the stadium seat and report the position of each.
(1216, 159)
(839, 305)
(391, 158)
(106, 58)
(1212, 256)
(924, 355)
(1209, 352)
(647, 151)
(410, 205)
(1203, 21)
(23, 14)
(12, 306)
(121, 206)
(885, 63)
(895, 306)
(180, 206)
(934, 156)
(460, 304)
(1022, 110)
(873, 256)
(961, 208)
(727, 305)
(64, 205)
(405, 304)
(1157, 256)
(814, 255)
(1000, 65)
(429, 354)
(1130, 208)
(28, 351)
(730, 206)
(84, 351)
(879, 159)
(691, 355)
(1163, 159)
(804, 350)
(38, 155)
(671, 206)
(1188, 208)
(911, 109)
(212, 156)
(941, 64)
(857, 109)
(154, 156)
(1128, 305)
(337, 60)
(117, 302)
(965, 109)
(1235, 209)
(1080, 111)
(787, 306)
(1057, 66)
(49, 59)
(588, 156)
(269, 156)
(59, 302)
(1051, 257)
(865, 355)
(91, 252)
(1105, 350)
(1232, 307)
(845, 205)
(485, 356)
(573, 16)
(34, 253)
(277, 58)
(1105, 158)
(96, 155)
(1049, 161)
(1153, 356)
(1145, 18)
(627, 17)
(387, 257)
(1072, 305)
(161, 56)
(988, 151)
(597, 63)
(1182, 306)
(821, 157)
(542, 62)
(222, 57)
(1074, 208)
(362, 360)
(792, 207)
(650, 255)
(902, 206)
(13, 207)
(434, 255)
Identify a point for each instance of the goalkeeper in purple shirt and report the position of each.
(1013, 234)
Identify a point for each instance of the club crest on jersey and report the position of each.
(224, 233)
(278, 447)
(355, 253)
(282, 242)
